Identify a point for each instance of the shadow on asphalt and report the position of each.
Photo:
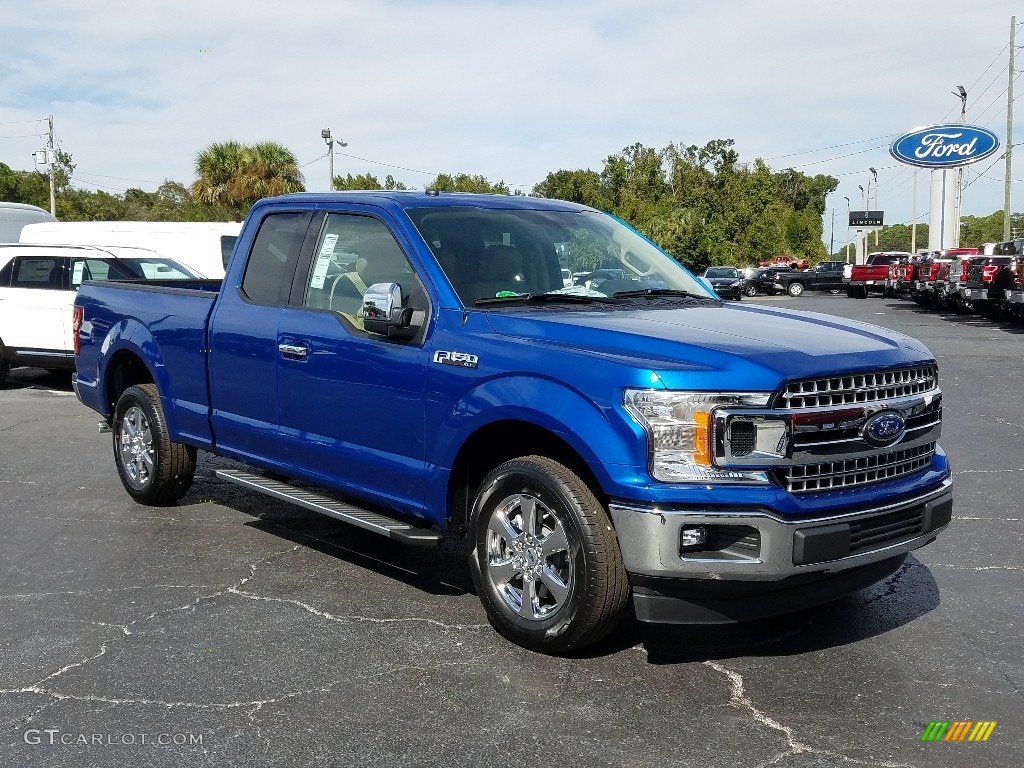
(38, 378)
(949, 316)
(909, 593)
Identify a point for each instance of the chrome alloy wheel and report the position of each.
(529, 564)
(135, 441)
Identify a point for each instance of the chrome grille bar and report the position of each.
(859, 388)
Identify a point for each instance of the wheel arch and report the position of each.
(498, 442)
(125, 369)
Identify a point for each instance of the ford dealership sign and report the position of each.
(945, 146)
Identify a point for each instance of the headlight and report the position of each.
(679, 433)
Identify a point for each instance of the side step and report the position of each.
(370, 521)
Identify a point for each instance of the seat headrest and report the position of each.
(380, 260)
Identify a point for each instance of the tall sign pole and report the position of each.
(1009, 136)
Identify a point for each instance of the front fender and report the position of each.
(613, 446)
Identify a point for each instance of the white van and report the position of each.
(15, 216)
(202, 246)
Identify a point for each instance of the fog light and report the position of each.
(693, 536)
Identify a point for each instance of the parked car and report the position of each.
(760, 281)
(709, 462)
(726, 281)
(16, 216)
(37, 293)
(826, 276)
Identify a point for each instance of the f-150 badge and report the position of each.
(458, 359)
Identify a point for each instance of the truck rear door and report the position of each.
(352, 403)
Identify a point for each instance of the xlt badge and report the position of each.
(458, 359)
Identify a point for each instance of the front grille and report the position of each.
(831, 475)
(875, 532)
(859, 388)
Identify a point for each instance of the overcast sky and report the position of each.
(508, 89)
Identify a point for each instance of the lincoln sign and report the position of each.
(945, 146)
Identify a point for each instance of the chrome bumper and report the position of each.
(1015, 297)
(974, 294)
(649, 538)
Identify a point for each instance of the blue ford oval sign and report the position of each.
(945, 146)
(884, 428)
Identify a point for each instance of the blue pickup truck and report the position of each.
(418, 359)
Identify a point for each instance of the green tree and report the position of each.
(463, 182)
(233, 175)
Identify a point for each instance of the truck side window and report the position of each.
(271, 265)
(352, 253)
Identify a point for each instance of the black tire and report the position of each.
(154, 470)
(5, 367)
(750, 290)
(835, 291)
(860, 292)
(849, 291)
(796, 288)
(506, 548)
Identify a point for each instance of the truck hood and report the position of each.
(692, 346)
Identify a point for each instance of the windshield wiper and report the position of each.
(658, 292)
(544, 298)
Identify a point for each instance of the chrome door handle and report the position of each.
(293, 349)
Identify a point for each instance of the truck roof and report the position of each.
(429, 199)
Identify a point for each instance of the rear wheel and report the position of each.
(545, 559)
(795, 289)
(153, 469)
(834, 291)
(750, 290)
(860, 291)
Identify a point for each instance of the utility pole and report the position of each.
(50, 157)
(958, 199)
(832, 239)
(1009, 137)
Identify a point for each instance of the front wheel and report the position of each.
(834, 291)
(795, 289)
(544, 558)
(154, 470)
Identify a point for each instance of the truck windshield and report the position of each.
(496, 253)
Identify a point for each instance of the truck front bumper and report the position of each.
(745, 557)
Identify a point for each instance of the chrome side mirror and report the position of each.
(382, 312)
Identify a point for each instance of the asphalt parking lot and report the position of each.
(235, 630)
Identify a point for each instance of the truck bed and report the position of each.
(170, 324)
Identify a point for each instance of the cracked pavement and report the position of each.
(284, 638)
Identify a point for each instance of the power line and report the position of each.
(20, 122)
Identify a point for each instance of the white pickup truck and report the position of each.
(37, 294)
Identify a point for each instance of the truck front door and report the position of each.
(352, 403)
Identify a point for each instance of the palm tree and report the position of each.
(235, 175)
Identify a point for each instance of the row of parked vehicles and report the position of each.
(987, 280)
(733, 283)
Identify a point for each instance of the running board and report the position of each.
(362, 518)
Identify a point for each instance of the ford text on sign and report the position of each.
(945, 146)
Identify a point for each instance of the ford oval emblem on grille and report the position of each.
(884, 428)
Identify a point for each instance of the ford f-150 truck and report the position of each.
(418, 358)
(861, 279)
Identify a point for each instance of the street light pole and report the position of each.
(874, 173)
(847, 228)
(325, 134)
